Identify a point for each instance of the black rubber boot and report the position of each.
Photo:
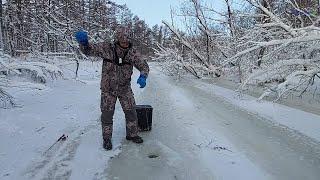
(107, 144)
(135, 139)
(106, 122)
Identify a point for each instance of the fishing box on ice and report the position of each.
(144, 113)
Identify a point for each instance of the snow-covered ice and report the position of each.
(199, 132)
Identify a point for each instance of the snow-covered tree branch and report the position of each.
(268, 44)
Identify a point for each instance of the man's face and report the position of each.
(122, 36)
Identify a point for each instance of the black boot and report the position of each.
(135, 139)
(106, 122)
(107, 144)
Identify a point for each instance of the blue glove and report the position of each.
(82, 37)
(142, 80)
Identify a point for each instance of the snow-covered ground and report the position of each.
(199, 132)
(67, 106)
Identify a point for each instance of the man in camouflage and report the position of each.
(119, 57)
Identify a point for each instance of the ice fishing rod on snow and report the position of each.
(61, 138)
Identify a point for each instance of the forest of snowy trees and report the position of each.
(48, 26)
(270, 44)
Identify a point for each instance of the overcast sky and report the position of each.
(152, 11)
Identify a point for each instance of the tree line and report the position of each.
(48, 26)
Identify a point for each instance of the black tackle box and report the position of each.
(144, 113)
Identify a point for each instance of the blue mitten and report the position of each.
(142, 80)
(82, 37)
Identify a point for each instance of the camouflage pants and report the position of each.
(108, 101)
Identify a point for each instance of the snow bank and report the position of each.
(304, 122)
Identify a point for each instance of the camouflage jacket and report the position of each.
(116, 78)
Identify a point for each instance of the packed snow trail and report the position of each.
(197, 135)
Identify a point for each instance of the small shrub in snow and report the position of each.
(12, 70)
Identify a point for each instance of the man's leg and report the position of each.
(107, 106)
(128, 105)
